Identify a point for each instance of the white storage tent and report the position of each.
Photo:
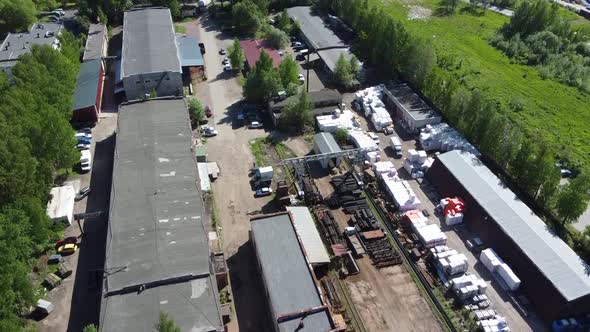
(61, 205)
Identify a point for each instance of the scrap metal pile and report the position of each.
(379, 249)
(348, 193)
(328, 226)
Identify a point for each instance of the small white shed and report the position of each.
(60, 207)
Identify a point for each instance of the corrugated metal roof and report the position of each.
(156, 234)
(87, 84)
(309, 235)
(189, 51)
(95, 42)
(286, 274)
(557, 261)
(149, 43)
(252, 49)
(315, 30)
(410, 102)
(326, 143)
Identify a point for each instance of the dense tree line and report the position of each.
(527, 161)
(538, 35)
(16, 15)
(36, 141)
(111, 11)
(263, 81)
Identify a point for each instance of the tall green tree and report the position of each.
(420, 61)
(342, 72)
(247, 17)
(283, 22)
(236, 55)
(277, 39)
(16, 15)
(262, 81)
(572, 199)
(297, 114)
(288, 71)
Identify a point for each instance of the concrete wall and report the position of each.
(165, 84)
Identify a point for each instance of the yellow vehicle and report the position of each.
(67, 249)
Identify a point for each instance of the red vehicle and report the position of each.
(67, 240)
(208, 111)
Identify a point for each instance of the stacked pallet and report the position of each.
(443, 137)
(450, 261)
(417, 163)
(373, 107)
(431, 236)
(468, 286)
(494, 324)
(453, 209)
(496, 266)
(337, 120)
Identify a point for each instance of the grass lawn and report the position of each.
(179, 28)
(558, 113)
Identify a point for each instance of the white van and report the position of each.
(396, 146)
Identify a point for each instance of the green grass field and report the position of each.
(556, 112)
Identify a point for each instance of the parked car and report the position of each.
(301, 78)
(51, 33)
(227, 67)
(83, 134)
(83, 193)
(85, 130)
(82, 146)
(66, 240)
(58, 12)
(255, 125)
(85, 167)
(209, 132)
(222, 51)
(67, 249)
(208, 111)
(297, 44)
(53, 19)
(266, 191)
(225, 61)
(565, 173)
(84, 140)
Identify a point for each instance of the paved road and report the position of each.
(233, 195)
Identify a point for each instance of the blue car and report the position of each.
(84, 140)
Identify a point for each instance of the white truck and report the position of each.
(264, 175)
(396, 146)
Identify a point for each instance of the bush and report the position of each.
(341, 136)
(196, 111)
(277, 38)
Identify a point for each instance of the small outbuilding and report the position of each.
(191, 58)
(309, 235)
(88, 92)
(325, 143)
(60, 207)
(409, 107)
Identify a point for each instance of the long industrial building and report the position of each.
(554, 278)
(157, 251)
(150, 61)
(316, 35)
(289, 282)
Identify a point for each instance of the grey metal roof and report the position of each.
(556, 260)
(286, 274)
(18, 43)
(156, 233)
(319, 35)
(189, 51)
(87, 84)
(149, 43)
(309, 235)
(326, 143)
(410, 102)
(95, 42)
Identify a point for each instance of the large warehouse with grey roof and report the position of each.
(157, 251)
(554, 278)
(150, 60)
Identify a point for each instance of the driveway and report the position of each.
(233, 195)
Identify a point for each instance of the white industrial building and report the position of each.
(150, 60)
(325, 143)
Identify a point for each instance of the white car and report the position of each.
(227, 67)
(83, 135)
(301, 78)
(225, 61)
(209, 132)
(255, 125)
(82, 146)
(85, 167)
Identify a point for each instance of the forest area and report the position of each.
(523, 156)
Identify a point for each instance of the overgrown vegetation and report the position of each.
(196, 112)
(346, 70)
(297, 114)
(166, 324)
(37, 141)
(538, 36)
(111, 11)
(277, 38)
(341, 136)
(451, 79)
(236, 55)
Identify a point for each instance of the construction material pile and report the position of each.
(431, 236)
(373, 107)
(361, 140)
(337, 120)
(449, 260)
(402, 194)
(312, 193)
(443, 137)
(478, 302)
(384, 167)
(494, 324)
(380, 250)
(417, 163)
(498, 268)
(468, 286)
(363, 220)
(453, 208)
(348, 191)
(328, 226)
